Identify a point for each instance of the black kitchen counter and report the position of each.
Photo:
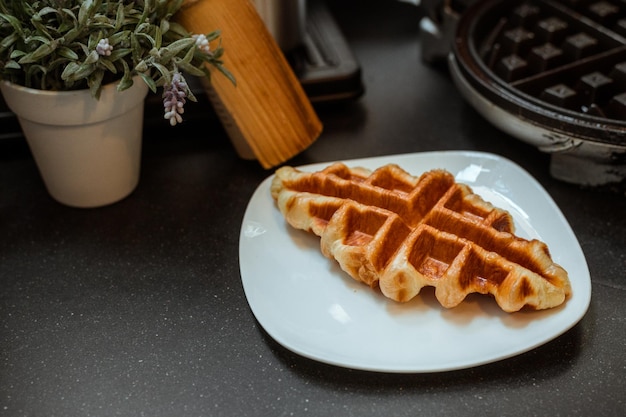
(137, 309)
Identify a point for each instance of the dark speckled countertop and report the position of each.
(137, 309)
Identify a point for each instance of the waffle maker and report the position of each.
(550, 73)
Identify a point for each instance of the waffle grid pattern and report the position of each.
(571, 53)
(401, 233)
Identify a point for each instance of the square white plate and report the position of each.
(310, 306)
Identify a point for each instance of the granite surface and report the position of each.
(137, 309)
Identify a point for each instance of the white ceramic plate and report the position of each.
(310, 306)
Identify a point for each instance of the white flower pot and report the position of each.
(88, 151)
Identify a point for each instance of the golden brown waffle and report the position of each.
(401, 233)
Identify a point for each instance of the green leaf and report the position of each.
(105, 62)
(14, 22)
(17, 54)
(145, 11)
(70, 70)
(124, 83)
(70, 13)
(44, 11)
(119, 37)
(141, 66)
(127, 78)
(39, 53)
(37, 72)
(84, 71)
(119, 17)
(95, 83)
(71, 35)
(118, 53)
(149, 81)
(37, 38)
(177, 28)
(191, 70)
(226, 73)
(213, 35)
(77, 72)
(66, 52)
(12, 65)
(135, 47)
(142, 28)
(177, 47)
(148, 42)
(56, 64)
(158, 38)
(84, 48)
(92, 58)
(191, 97)
(41, 29)
(164, 72)
(165, 26)
(9, 40)
(217, 54)
(85, 11)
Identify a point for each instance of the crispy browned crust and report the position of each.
(401, 233)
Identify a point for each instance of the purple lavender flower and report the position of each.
(202, 43)
(174, 99)
(103, 47)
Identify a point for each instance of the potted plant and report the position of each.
(62, 62)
